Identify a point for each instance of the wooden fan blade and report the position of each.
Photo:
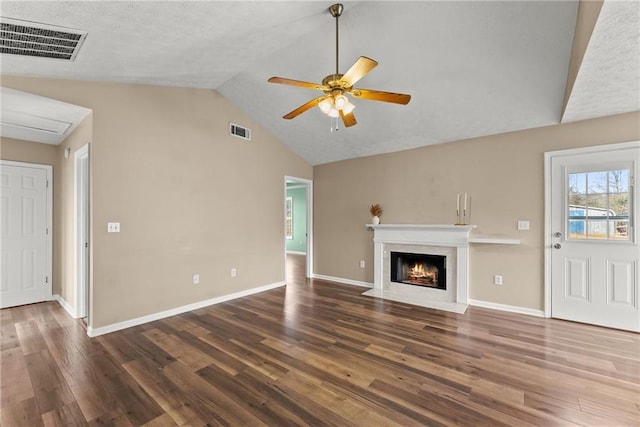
(358, 70)
(301, 109)
(348, 119)
(378, 95)
(299, 83)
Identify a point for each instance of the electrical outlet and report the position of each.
(234, 272)
(113, 227)
(196, 279)
(497, 279)
(523, 225)
(362, 263)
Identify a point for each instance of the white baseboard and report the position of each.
(65, 305)
(296, 253)
(345, 281)
(94, 332)
(509, 308)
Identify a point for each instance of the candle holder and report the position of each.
(464, 219)
(461, 220)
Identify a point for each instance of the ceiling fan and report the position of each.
(336, 86)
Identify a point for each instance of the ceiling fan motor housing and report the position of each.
(334, 81)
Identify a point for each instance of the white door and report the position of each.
(25, 266)
(594, 246)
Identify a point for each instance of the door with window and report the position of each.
(25, 218)
(595, 252)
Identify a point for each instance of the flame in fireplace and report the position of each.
(423, 275)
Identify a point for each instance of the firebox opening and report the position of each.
(419, 269)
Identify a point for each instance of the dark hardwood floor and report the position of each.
(317, 353)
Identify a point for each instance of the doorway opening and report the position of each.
(298, 222)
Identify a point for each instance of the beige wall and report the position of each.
(588, 12)
(28, 152)
(503, 175)
(189, 197)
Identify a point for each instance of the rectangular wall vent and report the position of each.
(239, 131)
(40, 40)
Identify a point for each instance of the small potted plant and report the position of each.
(376, 211)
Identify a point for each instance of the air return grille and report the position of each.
(239, 131)
(40, 40)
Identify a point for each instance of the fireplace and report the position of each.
(449, 243)
(419, 269)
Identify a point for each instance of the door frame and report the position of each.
(548, 156)
(309, 187)
(49, 192)
(82, 229)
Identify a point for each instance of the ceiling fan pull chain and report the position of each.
(333, 128)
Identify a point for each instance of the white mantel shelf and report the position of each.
(421, 226)
(487, 240)
(494, 241)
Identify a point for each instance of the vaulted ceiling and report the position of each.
(473, 68)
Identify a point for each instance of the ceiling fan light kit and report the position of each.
(334, 102)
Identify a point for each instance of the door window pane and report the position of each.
(599, 205)
(288, 218)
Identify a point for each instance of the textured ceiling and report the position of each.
(473, 68)
(610, 70)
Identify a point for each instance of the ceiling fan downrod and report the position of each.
(336, 11)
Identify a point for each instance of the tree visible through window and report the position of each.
(288, 218)
(599, 204)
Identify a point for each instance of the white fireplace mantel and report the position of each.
(432, 234)
(436, 236)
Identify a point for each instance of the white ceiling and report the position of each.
(608, 81)
(473, 68)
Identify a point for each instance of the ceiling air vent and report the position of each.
(239, 131)
(40, 40)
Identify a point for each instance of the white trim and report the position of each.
(505, 307)
(296, 253)
(493, 241)
(547, 204)
(65, 305)
(49, 172)
(94, 332)
(309, 184)
(81, 289)
(342, 280)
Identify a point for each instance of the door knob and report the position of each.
(557, 246)
(557, 234)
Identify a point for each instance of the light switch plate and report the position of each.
(523, 225)
(113, 227)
